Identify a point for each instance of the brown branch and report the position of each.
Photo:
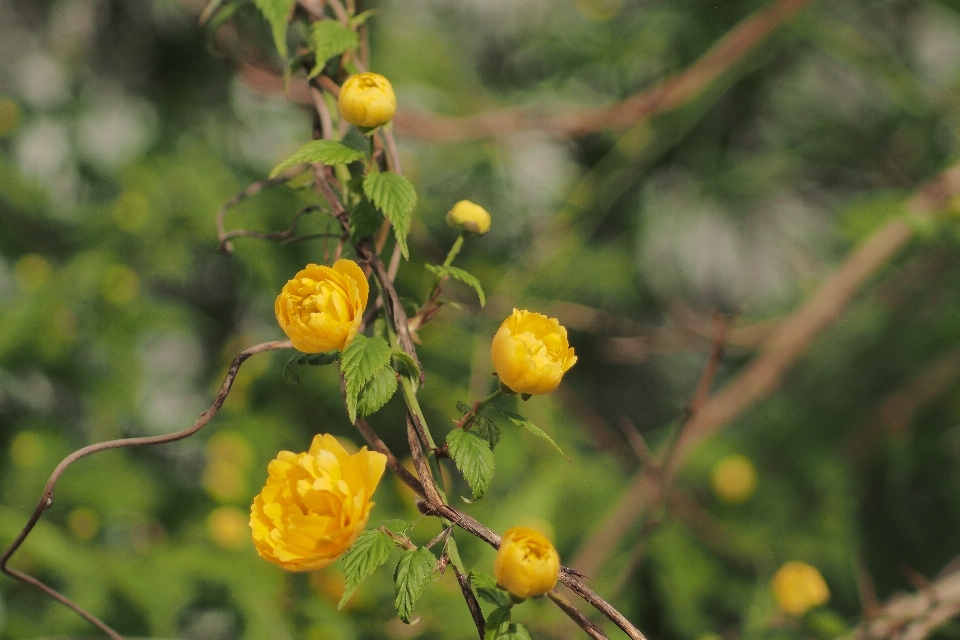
(471, 600)
(46, 499)
(285, 237)
(584, 622)
(666, 95)
(914, 616)
(571, 120)
(250, 191)
(785, 344)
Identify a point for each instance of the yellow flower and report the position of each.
(321, 308)
(470, 217)
(530, 352)
(367, 100)
(798, 587)
(526, 563)
(734, 479)
(314, 504)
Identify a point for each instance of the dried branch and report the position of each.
(46, 499)
(285, 237)
(785, 344)
(666, 95)
(250, 191)
(471, 600)
(567, 607)
(914, 616)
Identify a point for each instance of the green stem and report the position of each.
(454, 250)
(469, 418)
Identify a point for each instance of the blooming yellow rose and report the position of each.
(314, 504)
(367, 100)
(734, 479)
(530, 352)
(321, 308)
(526, 563)
(798, 587)
(470, 217)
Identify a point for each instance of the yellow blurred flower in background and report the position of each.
(314, 504)
(530, 352)
(798, 587)
(227, 527)
(321, 308)
(367, 100)
(734, 479)
(229, 458)
(469, 217)
(526, 564)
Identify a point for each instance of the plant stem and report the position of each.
(469, 417)
(454, 250)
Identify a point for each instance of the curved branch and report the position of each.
(46, 499)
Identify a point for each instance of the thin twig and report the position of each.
(583, 621)
(250, 191)
(471, 600)
(285, 237)
(46, 499)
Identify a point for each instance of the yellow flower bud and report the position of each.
(530, 352)
(367, 100)
(315, 504)
(321, 308)
(470, 217)
(734, 479)
(798, 587)
(526, 563)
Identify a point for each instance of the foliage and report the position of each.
(121, 136)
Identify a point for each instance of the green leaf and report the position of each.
(362, 17)
(365, 220)
(325, 151)
(377, 392)
(277, 13)
(396, 197)
(319, 359)
(330, 38)
(412, 575)
(366, 555)
(405, 365)
(363, 359)
(520, 421)
(486, 587)
(462, 276)
(474, 458)
(356, 140)
(497, 623)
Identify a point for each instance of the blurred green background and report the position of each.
(123, 129)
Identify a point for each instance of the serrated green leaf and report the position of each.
(330, 38)
(328, 152)
(486, 587)
(363, 359)
(366, 555)
(376, 392)
(277, 13)
(487, 429)
(473, 457)
(520, 421)
(412, 575)
(399, 527)
(405, 365)
(396, 198)
(497, 623)
(356, 140)
(462, 276)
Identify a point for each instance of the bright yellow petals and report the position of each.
(526, 564)
(734, 479)
(530, 352)
(314, 504)
(798, 587)
(321, 308)
(367, 100)
(469, 217)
